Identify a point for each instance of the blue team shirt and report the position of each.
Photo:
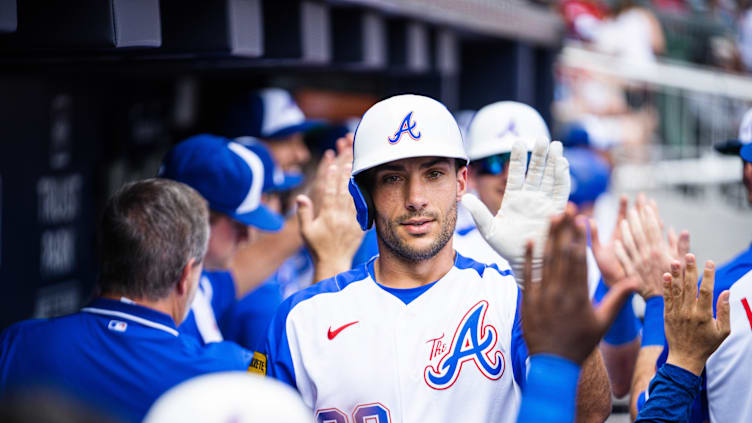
(114, 355)
(218, 287)
(247, 320)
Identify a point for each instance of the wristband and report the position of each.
(550, 390)
(625, 327)
(652, 330)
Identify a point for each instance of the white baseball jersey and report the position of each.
(729, 369)
(470, 243)
(358, 351)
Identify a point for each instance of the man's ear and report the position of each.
(461, 182)
(184, 284)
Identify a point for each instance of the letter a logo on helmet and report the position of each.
(405, 126)
(439, 135)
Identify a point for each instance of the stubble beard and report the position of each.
(386, 231)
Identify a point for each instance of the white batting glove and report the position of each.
(527, 206)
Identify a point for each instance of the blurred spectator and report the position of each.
(47, 406)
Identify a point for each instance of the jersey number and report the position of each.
(364, 413)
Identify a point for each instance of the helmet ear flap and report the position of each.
(363, 204)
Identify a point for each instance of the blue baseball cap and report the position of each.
(270, 113)
(227, 174)
(275, 179)
(590, 174)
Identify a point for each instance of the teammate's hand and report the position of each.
(527, 206)
(691, 331)
(557, 315)
(330, 229)
(605, 254)
(643, 251)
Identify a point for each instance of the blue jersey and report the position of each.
(246, 322)
(369, 247)
(215, 295)
(114, 355)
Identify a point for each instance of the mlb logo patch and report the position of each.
(117, 326)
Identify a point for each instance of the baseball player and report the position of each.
(728, 371)
(231, 178)
(421, 333)
(492, 132)
(246, 320)
(123, 350)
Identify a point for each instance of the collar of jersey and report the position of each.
(133, 312)
(406, 295)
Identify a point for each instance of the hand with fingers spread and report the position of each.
(329, 228)
(557, 315)
(640, 248)
(527, 207)
(692, 333)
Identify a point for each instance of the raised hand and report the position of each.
(692, 333)
(330, 230)
(557, 315)
(527, 206)
(605, 254)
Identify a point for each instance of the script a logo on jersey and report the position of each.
(472, 342)
(406, 127)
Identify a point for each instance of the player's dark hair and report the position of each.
(150, 229)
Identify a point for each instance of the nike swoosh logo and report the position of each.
(331, 334)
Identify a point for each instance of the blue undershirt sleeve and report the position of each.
(653, 332)
(550, 391)
(626, 326)
(671, 394)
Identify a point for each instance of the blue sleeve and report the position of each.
(223, 291)
(368, 248)
(519, 348)
(671, 394)
(626, 326)
(549, 396)
(653, 332)
(277, 348)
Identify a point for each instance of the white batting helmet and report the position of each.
(229, 397)
(401, 127)
(496, 127)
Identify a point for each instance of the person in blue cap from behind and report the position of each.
(246, 321)
(231, 179)
(123, 350)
